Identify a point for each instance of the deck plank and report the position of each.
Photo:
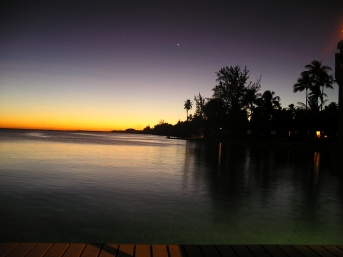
(273, 250)
(21, 250)
(126, 250)
(226, 250)
(258, 250)
(5, 248)
(209, 251)
(74, 250)
(242, 250)
(129, 250)
(56, 250)
(108, 250)
(290, 250)
(159, 251)
(143, 251)
(91, 250)
(306, 251)
(321, 251)
(192, 251)
(175, 251)
(39, 250)
(334, 249)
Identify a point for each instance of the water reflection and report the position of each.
(219, 153)
(271, 194)
(316, 160)
(155, 190)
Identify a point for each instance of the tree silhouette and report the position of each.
(330, 119)
(313, 97)
(303, 83)
(268, 103)
(215, 114)
(237, 106)
(199, 105)
(292, 110)
(320, 78)
(231, 86)
(264, 116)
(188, 105)
(251, 96)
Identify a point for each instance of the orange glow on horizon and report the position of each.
(67, 124)
(49, 114)
(86, 127)
(85, 118)
(70, 128)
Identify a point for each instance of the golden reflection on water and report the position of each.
(316, 163)
(94, 156)
(219, 153)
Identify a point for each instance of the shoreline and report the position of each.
(317, 145)
(264, 142)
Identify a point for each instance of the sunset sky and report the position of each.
(103, 65)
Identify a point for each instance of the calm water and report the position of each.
(122, 188)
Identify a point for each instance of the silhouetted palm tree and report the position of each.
(320, 78)
(327, 80)
(292, 110)
(313, 97)
(250, 98)
(188, 105)
(303, 83)
(269, 103)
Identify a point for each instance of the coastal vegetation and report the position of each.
(238, 108)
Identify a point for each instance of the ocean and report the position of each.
(130, 188)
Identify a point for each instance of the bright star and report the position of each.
(178, 44)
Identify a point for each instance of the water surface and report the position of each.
(125, 188)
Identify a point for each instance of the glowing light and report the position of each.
(318, 133)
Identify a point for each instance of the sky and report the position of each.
(112, 65)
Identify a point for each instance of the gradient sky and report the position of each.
(103, 65)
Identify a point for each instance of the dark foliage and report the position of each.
(237, 108)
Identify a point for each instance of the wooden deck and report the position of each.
(126, 250)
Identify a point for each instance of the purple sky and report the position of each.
(118, 64)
